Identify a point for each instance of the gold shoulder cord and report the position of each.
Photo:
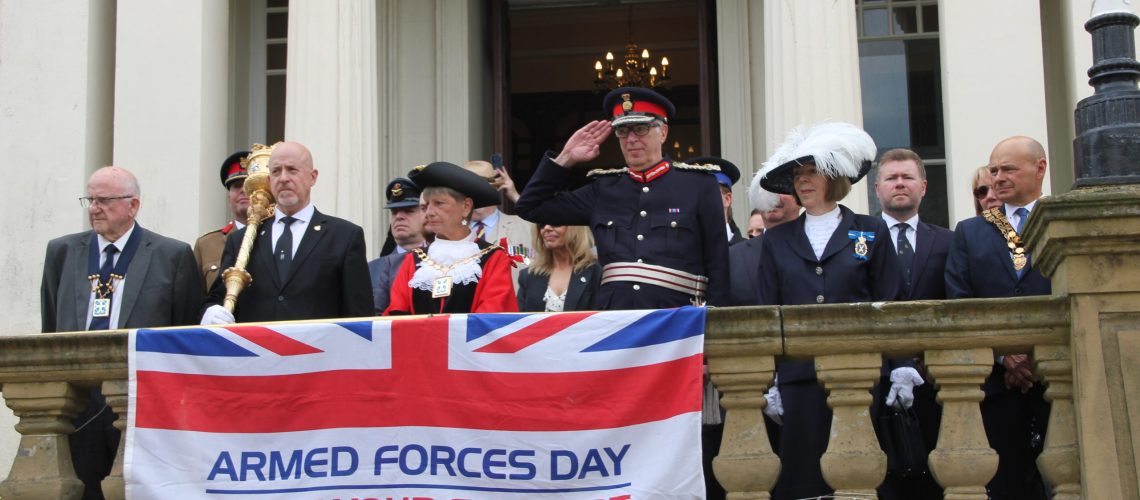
(996, 217)
(441, 287)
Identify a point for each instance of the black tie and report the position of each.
(906, 252)
(105, 271)
(284, 251)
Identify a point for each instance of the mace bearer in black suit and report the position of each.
(304, 264)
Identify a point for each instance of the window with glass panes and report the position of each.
(901, 77)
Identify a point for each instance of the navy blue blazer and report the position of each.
(579, 294)
(791, 274)
(675, 220)
(744, 272)
(928, 270)
(979, 265)
(382, 271)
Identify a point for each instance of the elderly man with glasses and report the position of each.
(116, 275)
(658, 224)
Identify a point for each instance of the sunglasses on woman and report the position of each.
(981, 191)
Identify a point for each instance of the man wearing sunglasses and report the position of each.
(658, 224)
(117, 275)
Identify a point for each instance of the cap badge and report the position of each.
(397, 190)
(626, 105)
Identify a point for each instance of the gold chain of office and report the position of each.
(996, 217)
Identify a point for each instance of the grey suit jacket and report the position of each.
(579, 293)
(163, 286)
(383, 271)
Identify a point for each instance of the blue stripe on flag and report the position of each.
(479, 325)
(362, 328)
(658, 327)
(191, 341)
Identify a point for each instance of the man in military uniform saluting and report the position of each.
(208, 248)
(658, 225)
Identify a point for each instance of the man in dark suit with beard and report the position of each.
(922, 248)
(988, 259)
(304, 264)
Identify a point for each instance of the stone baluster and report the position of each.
(1059, 462)
(746, 466)
(963, 463)
(42, 468)
(115, 391)
(853, 463)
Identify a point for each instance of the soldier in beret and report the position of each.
(208, 247)
(658, 224)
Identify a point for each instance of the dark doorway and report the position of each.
(545, 89)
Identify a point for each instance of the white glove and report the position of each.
(903, 382)
(217, 315)
(775, 407)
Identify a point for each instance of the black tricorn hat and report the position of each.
(402, 193)
(232, 169)
(728, 171)
(444, 174)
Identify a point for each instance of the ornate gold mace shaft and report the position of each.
(261, 202)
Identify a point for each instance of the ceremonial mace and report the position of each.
(261, 201)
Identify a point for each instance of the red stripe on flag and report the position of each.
(387, 398)
(277, 343)
(537, 331)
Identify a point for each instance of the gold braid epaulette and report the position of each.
(697, 168)
(606, 171)
(996, 217)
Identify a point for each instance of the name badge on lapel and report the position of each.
(861, 239)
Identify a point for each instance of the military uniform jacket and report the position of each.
(675, 220)
(208, 254)
(790, 273)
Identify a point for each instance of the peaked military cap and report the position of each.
(233, 170)
(402, 193)
(728, 174)
(633, 105)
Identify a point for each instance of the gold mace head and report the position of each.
(257, 167)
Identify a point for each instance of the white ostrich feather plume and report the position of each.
(838, 149)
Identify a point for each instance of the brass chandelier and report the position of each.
(636, 71)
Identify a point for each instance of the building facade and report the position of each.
(169, 88)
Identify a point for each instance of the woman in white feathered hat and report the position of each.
(829, 255)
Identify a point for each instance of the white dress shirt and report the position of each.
(304, 216)
(819, 229)
(911, 234)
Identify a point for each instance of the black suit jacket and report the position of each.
(928, 271)
(744, 272)
(160, 284)
(328, 278)
(791, 274)
(579, 294)
(979, 265)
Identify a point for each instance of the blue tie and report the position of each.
(1023, 214)
(105, 271)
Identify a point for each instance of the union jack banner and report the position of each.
(584, 405)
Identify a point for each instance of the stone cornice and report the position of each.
(1086, 221)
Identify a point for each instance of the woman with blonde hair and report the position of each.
(564, 273)
(983, 188)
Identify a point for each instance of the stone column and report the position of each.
(115, 392)
(811, 71)
(1059, 462)
(43, 468)
(740, 76)
(331, 105)
(172, 110)
(963, 462)
(853, 463)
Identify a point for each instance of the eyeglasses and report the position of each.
(639, 130)
(981, 191)
(100, 201)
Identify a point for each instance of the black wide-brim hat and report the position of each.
(402, 193)
(450, 175)
(729, 171)
(634, 105)
(836, 149)
(232, 169)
